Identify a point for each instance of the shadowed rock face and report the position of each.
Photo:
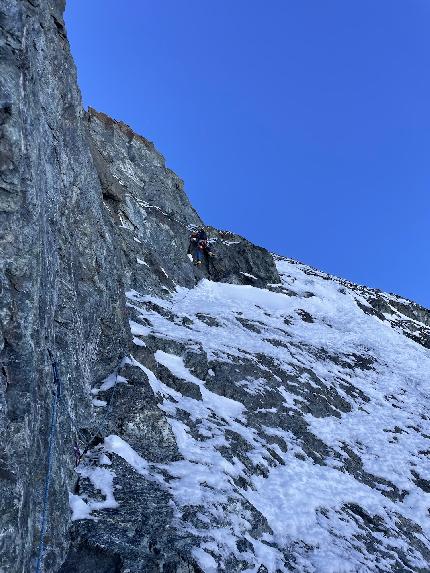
(252, 414)
(61, 276)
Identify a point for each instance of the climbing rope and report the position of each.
(51, 445)
(57, 398)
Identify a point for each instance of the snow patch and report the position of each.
(116, 445)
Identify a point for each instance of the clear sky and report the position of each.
(303, 125)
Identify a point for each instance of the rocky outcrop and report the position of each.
(154, 217)
(253, 414)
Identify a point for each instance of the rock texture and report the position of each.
(60, 271)
(154, 217)
(251, 415)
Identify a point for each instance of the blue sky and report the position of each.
(303, 125)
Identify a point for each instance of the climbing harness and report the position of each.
(51, 445)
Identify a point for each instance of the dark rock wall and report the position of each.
(60, 274)
(147, 204)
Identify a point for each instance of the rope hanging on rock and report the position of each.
(51, 446)
(56, 401)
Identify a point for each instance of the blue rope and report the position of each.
(51, 446)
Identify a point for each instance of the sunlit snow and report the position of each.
(331, 373)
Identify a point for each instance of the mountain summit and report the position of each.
(249, 415)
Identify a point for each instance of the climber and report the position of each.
(199, 247)
(199, 235)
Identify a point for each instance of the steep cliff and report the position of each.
(61, 274)
(251, 415)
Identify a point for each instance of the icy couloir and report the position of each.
(298, 415)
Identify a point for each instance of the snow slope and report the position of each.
(300, 416)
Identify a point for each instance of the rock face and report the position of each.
(252, 414)
(61, 274)
(154, 217)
